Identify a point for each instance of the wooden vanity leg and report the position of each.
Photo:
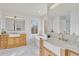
(64, 52)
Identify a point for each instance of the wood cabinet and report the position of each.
(63, 52)
(3, 41)
(17, 41)
(67, 52)
(11, 42)
(44, 51)
(72, 53)
(23, 39)
(41, 47)
(47, 52)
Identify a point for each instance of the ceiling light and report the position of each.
(14, 17)
(9, 17)
(54, 5)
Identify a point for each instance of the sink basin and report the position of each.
(65, 40)
(76, 44)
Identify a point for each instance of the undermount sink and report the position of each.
(70, 42)
(73, 43)
(65, 40)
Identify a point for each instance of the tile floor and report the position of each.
(20, 51)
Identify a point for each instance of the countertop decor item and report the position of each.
(3, 31)
(48, 36)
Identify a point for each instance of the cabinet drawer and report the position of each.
(23, 36)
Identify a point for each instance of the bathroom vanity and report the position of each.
(12, 40)
(56, 47)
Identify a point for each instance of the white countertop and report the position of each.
(61, 44)
(14, 35)
(54, 48)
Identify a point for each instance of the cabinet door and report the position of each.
(0, 41)
(3, 44)
(41, 47)
(17, 41)
(23, 39)
(48, 52)
(3, 41)
(72, 53)
(11, 42)
(44, 51)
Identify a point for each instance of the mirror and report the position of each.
(65, 24)
(34, 29)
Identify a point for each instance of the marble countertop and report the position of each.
(74, 46)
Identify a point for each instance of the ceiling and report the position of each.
(64, 9)
(24, 9)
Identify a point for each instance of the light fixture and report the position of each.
(14, 17)
(54, 5)
(11, 17)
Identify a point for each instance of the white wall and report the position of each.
(28, 25)
(43, 24)
(39, 25)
